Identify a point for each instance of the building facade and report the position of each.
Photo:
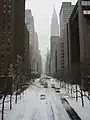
(12, 31)
(26, 52)
(6, 35)
(79, 42)
(29, 20)
(64, 15)
(35, 56)
(54, 39)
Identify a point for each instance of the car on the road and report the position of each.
(45, 85)
(42, 82)
(53, 85)
(42, 97)
(57, 90)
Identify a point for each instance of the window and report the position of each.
(62, 56)
(9, 39)
(8, 26)
(86, 12)
(4, 11)
(10, 6)
(2, 56)
(63, 60)
(3, 25)
(2, 42)
(9, 0)
(2, 63)
(62, 66)
(62, 53)
(4, 5)
(9, 11)
(62, 63)
(85, 3)
(2, 47)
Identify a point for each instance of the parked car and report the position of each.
(42, 82)
(45, 85)
(53, 85)
(57, 90)
(42, 97)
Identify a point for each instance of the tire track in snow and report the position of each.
(59, 115)
(46, 103)
(50, 105)
(52, 111)
(33, 115)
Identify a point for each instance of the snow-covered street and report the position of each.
(31, 107)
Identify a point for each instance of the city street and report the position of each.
(44, 60)
(32, 107)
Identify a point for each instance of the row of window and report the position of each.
(8, 27)
(3, 34)
(62, 66)
(7, 8)
(7, 15)
(86, 12)
(62, 56)
(7, 1)
(85, 3)
(62, 53)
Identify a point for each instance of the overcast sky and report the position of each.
(42, 11)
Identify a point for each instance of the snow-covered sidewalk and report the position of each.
(21, 110)
(83, 112)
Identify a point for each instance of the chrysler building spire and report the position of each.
(54, 24)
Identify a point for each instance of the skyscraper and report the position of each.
(33, 41)
(53, 42)
(54, 24)
(54, 29)
(6, 35)
(64, 15)
(29, 20)
(12, 28)
(19, 27)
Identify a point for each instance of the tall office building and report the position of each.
(53, 41)
(54, 29)
(19, 27)
(6, 35)
(33, 42)
(54, 24)
(28, 16)
(26, 51)
(36, 50)
(12, 28)
(64, 15)
(29, 20)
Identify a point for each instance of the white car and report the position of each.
(53, 85)
(42, 97)
(57, 90)
(45, 85)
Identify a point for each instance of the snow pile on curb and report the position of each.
(84, 113)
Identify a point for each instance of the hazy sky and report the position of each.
(42, 11)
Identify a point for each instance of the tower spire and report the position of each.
(54, 24)
(54, 13)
